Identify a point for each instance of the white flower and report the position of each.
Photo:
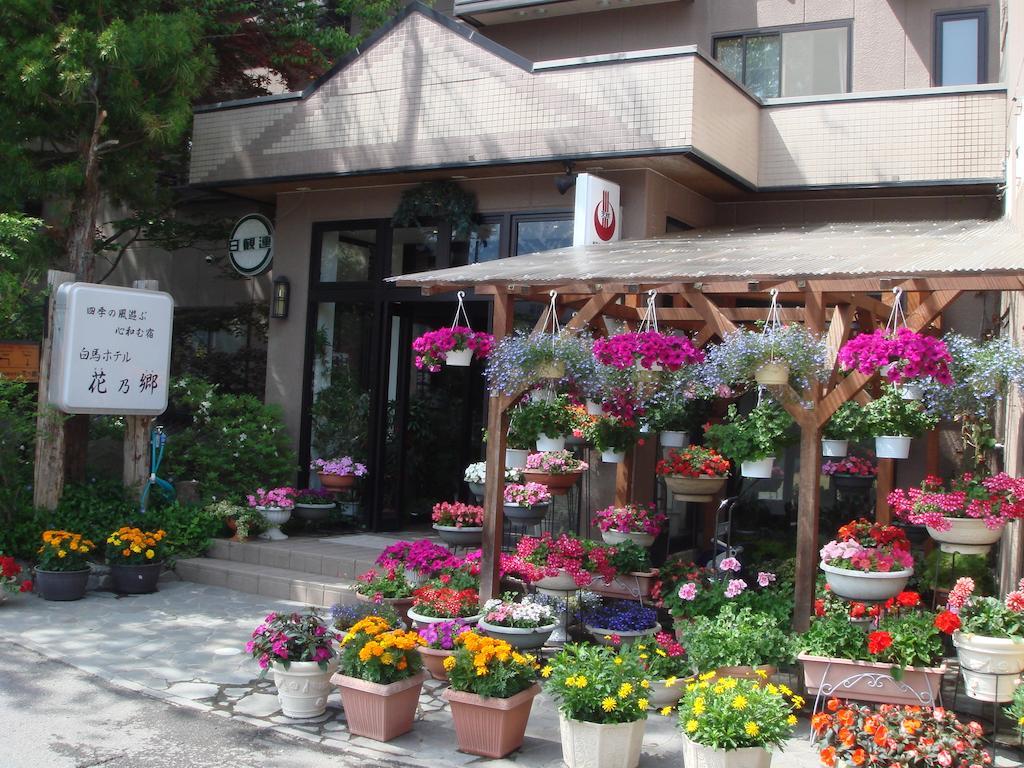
(243, 437)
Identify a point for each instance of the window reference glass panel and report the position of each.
(345, 255)
(545, 235)
(960, 59)
(815, 61)
(413, 249)
(729, 53)
(484, 244)
(761, 65)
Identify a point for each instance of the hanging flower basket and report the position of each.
(758, 468)
(671, 438)
(892, 446)
(772, 374)
(695, 488)
(835, 449)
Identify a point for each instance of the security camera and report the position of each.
(209, 258)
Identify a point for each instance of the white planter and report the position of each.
(604, 636)
(414, 577)
(761, 469)
(892, 447)
(515, 458)
(421, 621)
(982, 658)
(477, 489)
(460, 537)
(594, 408)
(595, 745)
(303, 688)
(835, 449)
(613, 457)
(617, 537)
(660, 695)
(526, 515)
(313, 512)
(458, 357)
(966, 535)
(772, 374)
(672, 439)
(912, 391)
(865, 587)
(698, 756)
(275, 517)
(546, 444)
(562, 582)
(517, 637)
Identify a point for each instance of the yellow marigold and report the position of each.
(625, 689)
(73, 546)
(691, 726)
(772, 689)
(739, 702)
(698, 705)
(752, 728)
(150, 554)
(61, 553)
(47, 535)
(136, 549)
(607, 703)
(661, 653)
(448, 663)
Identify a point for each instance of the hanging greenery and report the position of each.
(437, 200)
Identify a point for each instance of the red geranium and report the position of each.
(947, 622)
(878, 642)
(695, 461)
(908, 599)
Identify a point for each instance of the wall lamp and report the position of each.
(566, 182)
(280, 297)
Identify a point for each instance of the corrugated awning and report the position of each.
(875, 249)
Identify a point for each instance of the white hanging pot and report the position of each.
(613, 457)
(546, 444)
(515, 458)
(459, 358)
(834, 449)
(674, 439)
(594, 408)
(865, 586)
(966, 536)
(892, 446)
(912, 391)
(772, 374)
(544, 395)
(760, 469)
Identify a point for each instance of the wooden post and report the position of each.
(624, 480)
(886, 474)
(48, 477)
(135, 471)
(808, 504)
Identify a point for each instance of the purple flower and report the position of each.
(730, 564)
(736, 586)
(764, 578)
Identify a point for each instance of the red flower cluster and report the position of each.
(445, 602)
(871, 534)
(878, 642)
(9, 571)
(695, 461)
(947, 622)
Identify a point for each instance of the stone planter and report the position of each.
(613, 457)
(526, 515)
(303, 688)
(546, 444)
(982, 659)
(420, 620)
(460, 537)
(336, 482)
(604, 636)
(275, 517)
(61, 585)
(852, 482)
(596, 745)
(660, 695)
(135, 579)
(699, 756)
(477, 489)
(401, 605)
(671, 438)
(379, 712)
(558, 485)
(433, 662)
(703, 488)
(515, 458)
(618, 537)
(892, 447)
(459, 358)
(630, 586)
(966, 535)
(563, 582)
(871, 681)
(522, 638)
(865, 587)
(772, 374)
(835, 449)
(760, 469)
(313, 513)
(490, 727)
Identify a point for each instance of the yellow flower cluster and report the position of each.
(135, 541)
(63, 542)
(390, 647)
(487, 650)
(576, 681)
(371, 625)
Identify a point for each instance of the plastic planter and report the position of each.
(61, 585)
(459, 537)
(613, 457)
(313, 512)
(379, 712)
(746, 757)
(546, 444)
(518, 637)
(490, 727)
(135, 579)
(515, 458)
(835, 449)
(760, 469)
(871, 681)
(892, 447)
(990, 665)
(966, 536)
(604, 636)
(864, 586)
(599, 745)
(703, 488)
(459, 358)
(672, 439)
(420, 620)
(618, 537)
(526, 515)
(772, 374)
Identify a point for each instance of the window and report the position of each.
(797, 62)
(346, 255)
(536, 234)
(960, 48)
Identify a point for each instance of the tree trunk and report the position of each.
(81, 234)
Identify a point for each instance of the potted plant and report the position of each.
(276, 507)
(438, 644)
(338, 474)
(244, 521)
(733, 723)
(602, 705)
(9, 572)
(969, 517)
(670, 418)
(344, 616)
(135, 558)
(899, 661)
(476, 477)
(561, 564)
(522, 439)
(380, 678)
(848, 735)
(902, 356)
(638, 523)
(988, 635)
(894, 421)
(299, 650)
(846, 424)
(548, 422)
(521, 360)
(389, 588)
(650, 350)
(867, 561)
(665, 666)
(455, 346)
(526, 503)
(788, 353)
(313, 504)
(615, 622)
(634, 575)
(420, 559)
(438, 601)
(695, 473)
(613, 436)
(492, 687)
(753, 440)
(458, 524)
(558, 470)
(62, 566)
(737, 642)
(525, 624)
(1016, 710)
(851, 472)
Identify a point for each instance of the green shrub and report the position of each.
(17, 445)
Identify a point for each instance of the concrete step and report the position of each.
(281, 583)
(310, 556)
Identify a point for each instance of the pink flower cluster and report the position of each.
(649, 348)
(960, 594)
(526, 494)
(632, 518)
(736, 586)
(457, 515)
(283, 497)
(850, 554)
(730, 564)
(851, 465)
(555, 463)
(342, 466)
(996, 500)
(423, 556)
(909, 355)
(432, 346)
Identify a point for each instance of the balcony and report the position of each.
(485, 12)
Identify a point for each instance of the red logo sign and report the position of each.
(604, 218)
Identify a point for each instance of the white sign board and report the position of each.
(251, 245)
(111, 350)
(597, 216)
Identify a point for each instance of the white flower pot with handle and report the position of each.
(613, 457)
(600, 745)
(421, 621)
(761, 469)
(772, 374)
(892, 447)
(459, 358)
(966, 536)
(547, 444)
(672, 439)
(660, 694)
(617, 537)
(275, 517)
(698, 756)
(515, 458)
(983, 658)
(835, 449)
(863, 586)
(303, 688)
(594, 408)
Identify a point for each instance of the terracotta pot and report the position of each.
(135, 579)
(379, 712)
(459, 537)
(433, 662)
(966, 535)
(559, 485)
(747, 672)
(61, 585)
(618, 537)
(695, 754)
(336, 482)
(834, 449)
(631, 586)
(865, 587)
(401, 605)
(695, 488)
(597, 745)
(982, 659)
(870, 681)
(490, 727)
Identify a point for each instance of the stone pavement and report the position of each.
(184, 645)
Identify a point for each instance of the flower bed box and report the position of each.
(631, 586)
(870, 681)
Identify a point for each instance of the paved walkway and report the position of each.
(184, 645)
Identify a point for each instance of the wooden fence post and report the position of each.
(135, 471)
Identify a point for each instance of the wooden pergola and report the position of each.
(714, 289)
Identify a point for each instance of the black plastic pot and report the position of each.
(61, 585)
(135, 579)
(853, 482)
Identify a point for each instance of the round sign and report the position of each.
(251, 245)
